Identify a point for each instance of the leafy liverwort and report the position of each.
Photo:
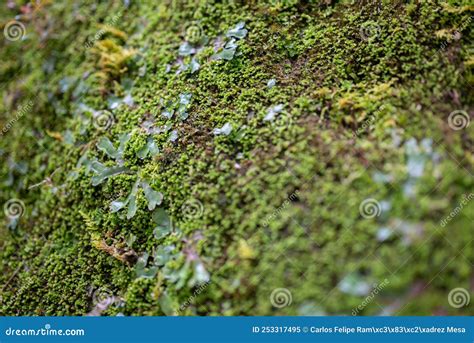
(186, 49)
(355, 284)
(173, 136)
(150, 149)
(163, 223)
(194, 66)
(102, 172)
(272, 112)
(179, 106)
(153, 198)
(141, 269)
(228, 52)
(271, 83)
(184, 102)
(230, 48)
(108, 148)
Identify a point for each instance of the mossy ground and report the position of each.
(274, 204)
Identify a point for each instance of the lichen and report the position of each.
(320, 96)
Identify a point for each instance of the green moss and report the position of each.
(274, 204)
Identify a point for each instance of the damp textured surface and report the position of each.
(279, 157)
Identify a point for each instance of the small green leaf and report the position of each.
(355, 284)
(142, 261)
(123, 139)
(231, 44)
(272, 112)
(184, 101)
(224, 130)
(130, 240)
(163, 221)
(69, 138)
(86, 162)
(226, 54)
(141, 269)
(163, 255)
(154, 198)
(94, 165)
(150, 148)
(182, 275)
(117, 205)
(238, 31)
(113, 102)
(148, 273)
(12, 223)
(185, 98)
(271, 83)
(184, 115)
(134, 190)
(200, 273)
(173, 136)
(167, 113)
(194, 65)
(128, 100)
(186, 49)
(143, 152)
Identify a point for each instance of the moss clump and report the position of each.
(359, 110)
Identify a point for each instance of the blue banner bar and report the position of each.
(236, 329)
